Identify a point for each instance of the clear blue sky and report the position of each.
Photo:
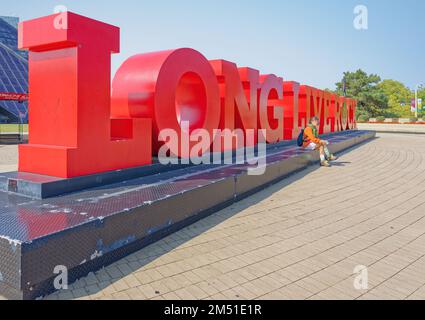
(309, 41)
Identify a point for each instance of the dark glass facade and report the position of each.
(13, 72)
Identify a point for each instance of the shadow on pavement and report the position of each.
(136, 261)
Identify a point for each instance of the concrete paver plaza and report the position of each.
(299, 239)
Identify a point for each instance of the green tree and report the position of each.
(399, 98)
(371, 100)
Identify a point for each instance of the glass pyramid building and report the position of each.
(13, 72)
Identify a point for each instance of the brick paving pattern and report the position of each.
(299, 239)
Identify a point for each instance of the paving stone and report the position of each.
(298, 239)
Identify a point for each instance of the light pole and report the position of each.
(416, 99)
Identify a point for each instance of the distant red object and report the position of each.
(10, 96)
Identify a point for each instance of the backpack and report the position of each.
(300, 140)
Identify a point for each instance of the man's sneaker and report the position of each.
(325, 164)
(332, 158)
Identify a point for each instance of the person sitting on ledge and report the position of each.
(313, 142)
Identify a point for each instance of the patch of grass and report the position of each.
(10, 128)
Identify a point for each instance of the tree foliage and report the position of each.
(372, 100)
(421, 95)
(399, 98)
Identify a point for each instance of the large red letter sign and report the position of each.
(77, 129)
(69, 105)
(292, 123)
(170, 87)
(305, 104)
(237, 108)
(270, 107)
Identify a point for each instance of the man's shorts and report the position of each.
(311, 146)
